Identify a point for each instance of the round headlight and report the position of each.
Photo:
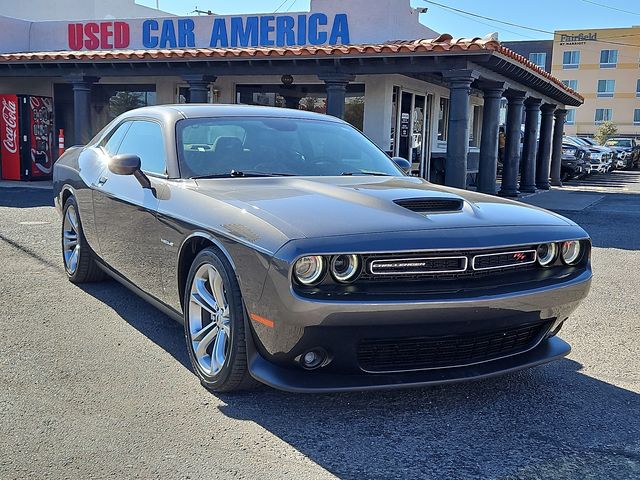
(344, 267)
(308, 270)
(571, 252)
(547, 253)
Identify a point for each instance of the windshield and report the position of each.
(581, 141)
(257, 146)
(618, 143)
(572, 141)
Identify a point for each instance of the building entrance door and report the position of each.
(412, 132)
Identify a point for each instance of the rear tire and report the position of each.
(214, 324)
(79, 259)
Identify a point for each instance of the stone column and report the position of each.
(489, 138)
(530, 145)
(81, 85)
(543, 159)
(460, 81)
(511, 165)
(556, 147)
(336, 86)
(199, 87)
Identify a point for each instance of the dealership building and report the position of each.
(416, 93)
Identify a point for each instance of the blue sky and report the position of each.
(542, 14)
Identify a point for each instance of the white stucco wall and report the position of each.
(39, 10)
(378, 21)
(369, 21)
(14, 34)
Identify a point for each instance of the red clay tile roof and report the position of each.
(443, 43)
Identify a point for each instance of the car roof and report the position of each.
(206, 110)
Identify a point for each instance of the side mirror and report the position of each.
(403, 164)
(128, 164)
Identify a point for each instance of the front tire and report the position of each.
(214, 324)
(79, 260)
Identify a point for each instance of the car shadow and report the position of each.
(616, 179)
(141, 315)
(16, 197)
(547, 422)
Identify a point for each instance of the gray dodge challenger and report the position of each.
(296, 253)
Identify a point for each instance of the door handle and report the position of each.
(102, 181)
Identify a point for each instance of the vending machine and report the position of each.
(26, 137)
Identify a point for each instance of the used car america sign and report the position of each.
(224, 32)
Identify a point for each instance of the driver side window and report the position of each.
(113, 142)
(144, 138)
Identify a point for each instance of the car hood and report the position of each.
(311, 207)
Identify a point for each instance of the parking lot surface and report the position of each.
(96, 382)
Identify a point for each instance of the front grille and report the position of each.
(418, 266)
(444, 265)
(430, 205)
(499, 260)
(422, 353)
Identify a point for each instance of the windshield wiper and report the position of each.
(252, 173)
(244, 174)
(365, 172)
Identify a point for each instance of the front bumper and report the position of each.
(339, 327)
(300, 381)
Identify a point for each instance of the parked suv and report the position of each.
(575, 163)
(599, 161)
(628, 149)
(616, 161)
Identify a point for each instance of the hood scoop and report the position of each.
(431, 205)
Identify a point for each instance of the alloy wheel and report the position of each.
(70, 240)
(209, 321)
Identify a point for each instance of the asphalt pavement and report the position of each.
(95, 383)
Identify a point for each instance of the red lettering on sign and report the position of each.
(76, 36)
(91, 31)
(106, 34)
(121, 35)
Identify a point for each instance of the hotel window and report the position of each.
(603, 115)
(443, 119)
(608, 58)
(571, 59)
(571, 116)
(573, 84)
(539, 59)
(638, 88)
(636, 116)
(606, 88)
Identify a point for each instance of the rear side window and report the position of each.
(145, 140)
(114, 141)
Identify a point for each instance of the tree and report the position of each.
(354, 111)
(605, 131)
(124, 101)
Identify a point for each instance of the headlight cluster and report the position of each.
(310, 270)
(570, 253)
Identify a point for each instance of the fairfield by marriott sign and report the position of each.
(578, 38)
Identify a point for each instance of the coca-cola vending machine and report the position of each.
(26, 137)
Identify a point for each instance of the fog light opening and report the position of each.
(313, 359)
(557, 326)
